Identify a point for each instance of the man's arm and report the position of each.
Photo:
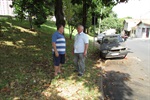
(73, 45)
(86, 41)
(85, 49)
(55, 50)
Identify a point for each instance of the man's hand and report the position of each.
(85, 50)
(55, 50)
(85, 53)
(56, 54)
(73, 51)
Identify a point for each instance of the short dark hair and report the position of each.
(59, 26)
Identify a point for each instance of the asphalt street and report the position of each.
(129, 78)
(141, 50)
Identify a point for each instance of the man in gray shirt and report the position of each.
(80, 50)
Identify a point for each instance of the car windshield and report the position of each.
(112, 39)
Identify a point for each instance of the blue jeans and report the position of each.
(79, 61)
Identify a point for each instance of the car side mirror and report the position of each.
(100, 41)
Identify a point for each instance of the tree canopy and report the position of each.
(112, 22)
(72, 11)
(33, 9)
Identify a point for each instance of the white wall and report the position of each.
(128, 25)
(125, 26)
(5, 8)
(139, 33)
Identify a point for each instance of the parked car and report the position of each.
(99, 37)
(125, 37)
(113, 46)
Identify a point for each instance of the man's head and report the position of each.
(80, 28)
(60, 28)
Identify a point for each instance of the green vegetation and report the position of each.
(112, 22)
(71, 12)
(26, 69)
(35, 11)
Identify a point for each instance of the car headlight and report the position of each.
(104, 51)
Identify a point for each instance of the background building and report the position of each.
(5, 8)
(139, 28)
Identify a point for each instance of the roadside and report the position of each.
(127, 79)
(139, 39)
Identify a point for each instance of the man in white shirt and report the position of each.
(80, 50)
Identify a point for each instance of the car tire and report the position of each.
(124, 56)
(101, 56)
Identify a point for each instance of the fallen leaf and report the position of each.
(5, 89)
(126, 79)
(141, 78)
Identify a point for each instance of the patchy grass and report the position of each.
(26, 68)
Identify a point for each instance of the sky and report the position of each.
(134, 8)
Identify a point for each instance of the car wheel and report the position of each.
(125, 56)
(101, 56)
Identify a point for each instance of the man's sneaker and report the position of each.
(80, 74)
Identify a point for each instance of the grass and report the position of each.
(26, 68)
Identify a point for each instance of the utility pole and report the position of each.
(100, 20)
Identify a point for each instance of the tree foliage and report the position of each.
(98, 8)
(112, 22)
(37, 9)
(69, 12)
(74, 11)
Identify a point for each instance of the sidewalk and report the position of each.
(123, 80)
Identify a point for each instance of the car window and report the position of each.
(110, 39)
(105, 40)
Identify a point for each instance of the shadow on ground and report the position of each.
(26, 67)
(115, 87)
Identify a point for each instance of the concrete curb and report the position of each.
(101, 84)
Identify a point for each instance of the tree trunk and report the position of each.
(1, 30)
(30, 21)
(72, 29)
(87, 30)
(84, 14)
(59, 12)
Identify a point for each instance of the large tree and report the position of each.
(59, 12)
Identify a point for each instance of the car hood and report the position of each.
(112, 46)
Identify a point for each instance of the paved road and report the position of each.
(141, 50)
(129, 79)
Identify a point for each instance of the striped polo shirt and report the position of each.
(60, 41)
